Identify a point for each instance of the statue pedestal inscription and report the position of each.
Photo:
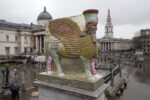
(52, 87)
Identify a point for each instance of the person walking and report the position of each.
(3, 75)
(3, 72)
(14, 86)
(15, 72)
(14, 91)
(7, 76)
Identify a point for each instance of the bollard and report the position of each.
(121, 90)
(125, 84)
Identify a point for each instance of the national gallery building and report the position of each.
(16, 39)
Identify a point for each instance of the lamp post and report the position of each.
(111, 70)
(118, 61)
(118, 57)
(119, 67)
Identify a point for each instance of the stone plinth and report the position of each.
(51, 91)
(72, 80)
(69, 87)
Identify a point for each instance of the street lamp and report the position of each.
(111, 70)
(119, 67)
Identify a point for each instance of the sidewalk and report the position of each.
(26, 95)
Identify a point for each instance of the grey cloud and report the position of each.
(123, 12)
(131, 12)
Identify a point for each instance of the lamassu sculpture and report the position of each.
(73, 41)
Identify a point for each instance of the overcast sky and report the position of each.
(128, 16)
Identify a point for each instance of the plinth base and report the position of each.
(72, 80)
(52, 91)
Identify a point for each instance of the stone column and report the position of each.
(108, 45)
(112, 45)
(105, 46)
(19, 43)
(116, 46)
(36, 40)
(40, 44)
(44, 43)
(102, 46)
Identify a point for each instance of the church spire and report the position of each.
(109, 17)
(109, 26)
(108, 12)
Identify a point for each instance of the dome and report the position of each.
(44, 15)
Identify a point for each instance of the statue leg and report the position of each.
(87, 67)
(55, 57)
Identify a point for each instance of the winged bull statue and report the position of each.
(73, 41)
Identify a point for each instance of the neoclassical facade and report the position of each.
(111, 47)
(16, 39)
(110, 44)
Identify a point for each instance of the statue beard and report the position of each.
(92, 32)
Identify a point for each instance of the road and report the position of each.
(138, 85)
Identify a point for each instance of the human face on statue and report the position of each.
(91, 20)
(91, 28)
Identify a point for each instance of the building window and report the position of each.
(16, 38)
(31, 40)
(7, 50)
(25, 39)
(31, 50)
(25, 49)
(7, 38)
(16, 49)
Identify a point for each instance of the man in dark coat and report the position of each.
(3, 73)
(7, 76)
(14, 91)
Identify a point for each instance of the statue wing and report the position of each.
(67, 31)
